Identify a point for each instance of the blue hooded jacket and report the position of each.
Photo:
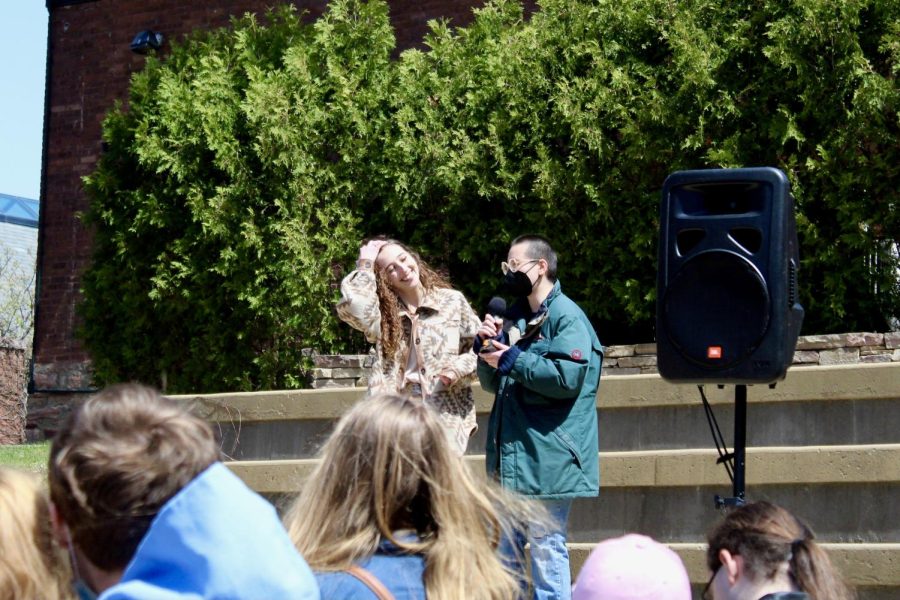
(218, 539)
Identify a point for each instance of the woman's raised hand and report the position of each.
(370, 249)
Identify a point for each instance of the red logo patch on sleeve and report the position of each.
(576, 354)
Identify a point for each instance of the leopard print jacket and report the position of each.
(444, 327)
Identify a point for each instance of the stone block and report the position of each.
(338, 361)
(333, 383)
(866, 350)
(63, 375)
(347, 373)
(645, 349)
(46, 376)
(839, 356)
(637, 361)
(806, 357)
(821, 342)
(321, 373)
(76, 378)
(619, 351)
(621, 371)
(869, 350)
(892, 340)
(875, 358)
(864, 339)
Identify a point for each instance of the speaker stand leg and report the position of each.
(740, 450)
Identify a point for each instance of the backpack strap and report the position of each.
(371, 582)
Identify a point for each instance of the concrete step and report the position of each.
(822, 443)
(877, 463)
(850, 490)
(669, 494)
(836, 405)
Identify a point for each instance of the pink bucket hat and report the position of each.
(632, 567)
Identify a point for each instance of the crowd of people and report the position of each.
(139, 505)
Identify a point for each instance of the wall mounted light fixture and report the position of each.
(146, 40)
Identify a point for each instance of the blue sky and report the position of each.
(23, 55)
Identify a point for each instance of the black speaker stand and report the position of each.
(739, 455)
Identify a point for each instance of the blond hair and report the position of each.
(389, 303)
(117, 460)
(388, 467)
(766, 536)
(31, 564)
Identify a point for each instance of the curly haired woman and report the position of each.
(423, 331)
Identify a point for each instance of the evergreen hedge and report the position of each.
(251, 161)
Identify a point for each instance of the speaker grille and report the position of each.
(716, 309)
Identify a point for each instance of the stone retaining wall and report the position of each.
(13, 394)
(635, 359)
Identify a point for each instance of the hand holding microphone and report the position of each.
(492, 326)
(491, 355)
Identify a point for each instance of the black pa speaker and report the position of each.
(727, 307)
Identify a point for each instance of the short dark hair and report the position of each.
(117, 460)
(539, 248)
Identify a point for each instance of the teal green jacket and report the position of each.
(542, 434)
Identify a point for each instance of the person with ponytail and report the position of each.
(423, 331)
(391, 512)
(761, 551)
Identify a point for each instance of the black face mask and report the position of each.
(517, 284)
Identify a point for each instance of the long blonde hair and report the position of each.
(389, 303)
(388, 467)
(31, 564)
(767, 536)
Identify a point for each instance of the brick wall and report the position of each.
(89, 64)
(636, 359)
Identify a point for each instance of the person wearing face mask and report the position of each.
(423, 331)
(542, 438)
(760, 551)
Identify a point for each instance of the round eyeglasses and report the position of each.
(514, 265)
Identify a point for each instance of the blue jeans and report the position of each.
(550, 574)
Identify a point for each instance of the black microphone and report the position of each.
(496, 308)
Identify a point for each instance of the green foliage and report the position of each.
(251, 162)
(567, 124)
(225, 200)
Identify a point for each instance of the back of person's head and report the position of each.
(116, 461)
(539, 248)
(31, 564)
(388, 467)
(767, 537)
(632, 567)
